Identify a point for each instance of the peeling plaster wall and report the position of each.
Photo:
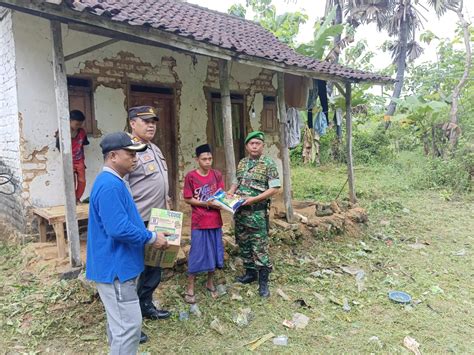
(41, 164)
(12, 214)
(112, 69)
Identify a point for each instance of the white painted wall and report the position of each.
(11, 207)
(37, 105)
(37, 102)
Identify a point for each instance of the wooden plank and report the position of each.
(42, 230)
(58, 213)
(60, 239)
(350, 162)
(224, 75)
(90, 49)
(62, 109)
(284, 152)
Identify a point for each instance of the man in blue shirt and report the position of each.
(115, 243)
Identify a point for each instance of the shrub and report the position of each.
(370, 146)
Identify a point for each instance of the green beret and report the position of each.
(255, 134)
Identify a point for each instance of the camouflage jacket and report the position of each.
(255, 176)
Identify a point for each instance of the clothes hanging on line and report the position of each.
(294, 127)
(320, 124)
(338, 122)
(323, 98)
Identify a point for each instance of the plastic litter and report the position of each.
(183, 315)
(399, 297)
(360, 280)
(300, 320)
(243, 318)
(217, 326)
(345, 305)
(221, 290)
(194, 309)
(412, 345)
(281, 340)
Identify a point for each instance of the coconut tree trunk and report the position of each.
(401, 66)
(453, 115)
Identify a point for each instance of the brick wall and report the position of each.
(12, 216)
(117, 71)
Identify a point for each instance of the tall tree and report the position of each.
(441, 6)
(401, 19)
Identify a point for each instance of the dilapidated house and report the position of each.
(104, 56)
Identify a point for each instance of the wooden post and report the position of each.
(62, 108)
(350, 163)
(284, 152)
(42, 230)
(227, 121)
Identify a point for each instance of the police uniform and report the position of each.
(253, 177)
(149, 187)
(149, 181)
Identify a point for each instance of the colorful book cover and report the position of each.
(230, 204)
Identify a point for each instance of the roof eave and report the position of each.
(58, 10)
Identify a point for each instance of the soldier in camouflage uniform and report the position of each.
(256, 180)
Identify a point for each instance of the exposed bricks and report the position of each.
(116, 72)
(212, 78)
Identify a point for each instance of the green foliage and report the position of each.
(285, 27)
(451, 175)
(237, 10)
(296, 157)
(324, 34)
(371, 146)
(421, 112)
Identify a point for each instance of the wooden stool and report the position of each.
(56, 216)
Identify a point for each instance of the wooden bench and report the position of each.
(56, 216)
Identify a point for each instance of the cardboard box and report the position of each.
(171, 223)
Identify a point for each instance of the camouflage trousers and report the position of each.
(251, 234)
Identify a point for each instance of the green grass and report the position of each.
(32, 317)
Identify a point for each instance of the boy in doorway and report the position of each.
(78, 141)
(207, 250)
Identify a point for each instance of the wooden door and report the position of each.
(165, 137)
(80, 98)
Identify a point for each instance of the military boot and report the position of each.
(263, 290)
(249, 277)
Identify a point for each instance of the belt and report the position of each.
(261, 206)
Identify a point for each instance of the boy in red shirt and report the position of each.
(207, 250)
(78, 141)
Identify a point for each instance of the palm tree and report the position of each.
(401, 19)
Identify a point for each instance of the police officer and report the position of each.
(149, 187)
(257, 181)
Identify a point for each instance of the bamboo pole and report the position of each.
(285, 154)
(62, 109)
(350, 163)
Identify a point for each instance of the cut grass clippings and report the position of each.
(416, 241)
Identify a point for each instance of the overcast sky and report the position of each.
(443, 27)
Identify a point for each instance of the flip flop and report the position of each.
(191, 299)
(213, 292)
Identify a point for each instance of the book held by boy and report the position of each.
(230, 204)
(170, 223)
